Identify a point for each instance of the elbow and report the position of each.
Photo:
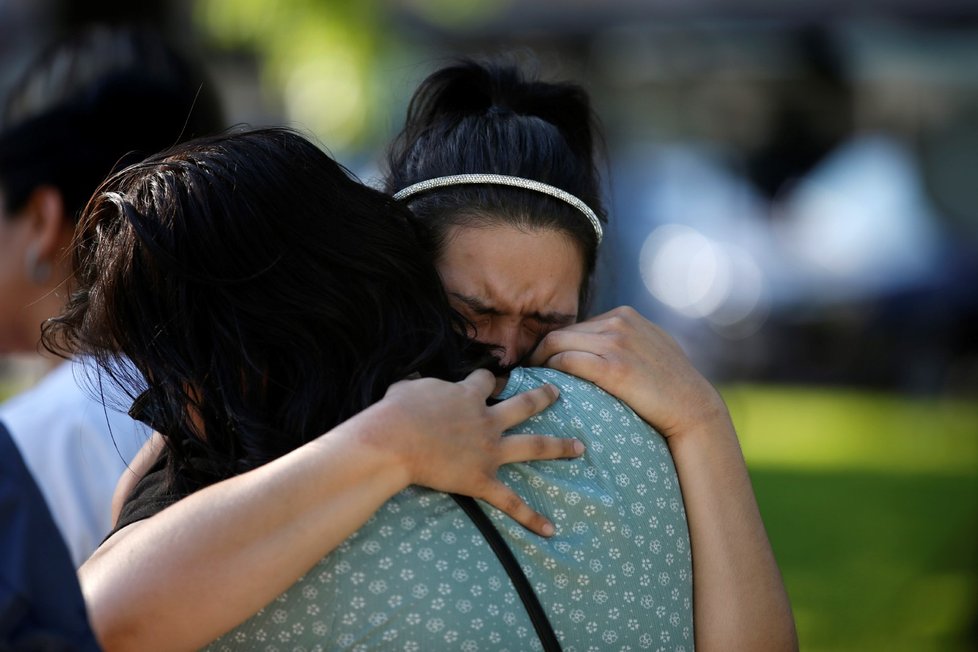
(778, 634)
(770, 631)
(789, 634)
(114, 631)
(118, 627)
(113, 635)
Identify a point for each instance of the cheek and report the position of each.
(13, 270)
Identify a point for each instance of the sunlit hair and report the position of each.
(262, 294)
(490, 118)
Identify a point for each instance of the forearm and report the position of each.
(739, 598)
(188, 574)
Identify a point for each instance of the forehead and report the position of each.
(516, 271)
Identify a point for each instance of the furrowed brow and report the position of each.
(480, 307)
(477, 306)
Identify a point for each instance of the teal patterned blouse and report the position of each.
(418, 575)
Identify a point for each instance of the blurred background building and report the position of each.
(794, 195)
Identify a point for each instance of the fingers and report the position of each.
(507, 501)
(481, 381)
(574, 338)
(526, 448)
(582, 364)
(579, 353)
(620, 335)
(521, 407)
(623, 312)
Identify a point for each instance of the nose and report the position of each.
(511, 340)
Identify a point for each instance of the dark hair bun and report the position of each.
(470, 88)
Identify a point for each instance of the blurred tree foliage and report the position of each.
(320, 56)
(339, 65)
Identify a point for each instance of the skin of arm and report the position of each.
(181, 578)
(740, 602)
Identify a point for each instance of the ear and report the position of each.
(50, 228)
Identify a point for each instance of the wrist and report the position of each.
(709, 444)
(709, 420)
(704, 414)
(375, 437)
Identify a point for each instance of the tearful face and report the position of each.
(514, 286)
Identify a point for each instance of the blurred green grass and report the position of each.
(871, 503)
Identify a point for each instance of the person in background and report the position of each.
(41, 606)
(96, 99)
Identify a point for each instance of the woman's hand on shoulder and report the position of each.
(450, 440)
(639, 363)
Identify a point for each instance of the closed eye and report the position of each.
(480, 313)
(475, 307)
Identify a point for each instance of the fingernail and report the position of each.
(548, 529)
(579, 448)
(554, 391)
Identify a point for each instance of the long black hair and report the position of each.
(262, 293)
(473, 117)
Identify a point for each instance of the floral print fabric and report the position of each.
(419, 576)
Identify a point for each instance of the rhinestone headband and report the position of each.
(503, 180)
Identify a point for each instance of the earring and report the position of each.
(38, 271)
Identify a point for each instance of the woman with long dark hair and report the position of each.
(263, 298)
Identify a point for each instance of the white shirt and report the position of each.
(76, 448)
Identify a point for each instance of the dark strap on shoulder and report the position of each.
(537, 616)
